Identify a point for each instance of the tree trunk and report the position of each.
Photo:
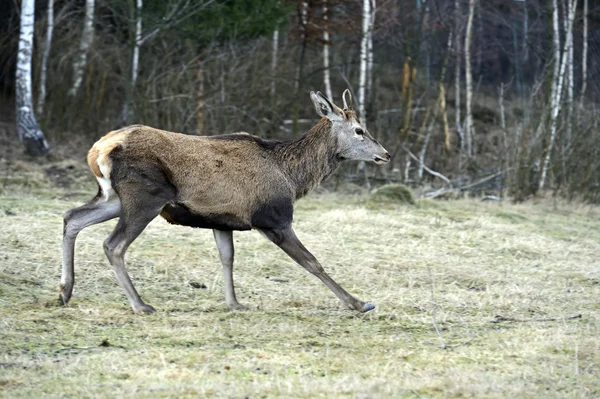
(326, 73)
(469, 133)
(457, 74)
(585, 51)
(364, 43)
(27, 127)
(44, 67)
(300, 69)
(369, 90)
(362, 78)
(570, 82)
(87, 36)
(274, 60)
(557, 84)
(135, 62)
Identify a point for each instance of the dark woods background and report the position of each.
(207, 67)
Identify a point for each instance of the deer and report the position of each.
(231, 182)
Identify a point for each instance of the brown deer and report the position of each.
(225, 183)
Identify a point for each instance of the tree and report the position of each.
(135, 63)
(326, 72)
(27, 126)
(44, 67)
(584, 51)
(87, 36)
(469, 132)
(364, 47)
(557, 81)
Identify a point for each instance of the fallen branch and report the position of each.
(502, 319)
(431, 172)
(463, 188)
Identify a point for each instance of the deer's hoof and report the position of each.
(144, 309)
(65, 294)
(367, 307)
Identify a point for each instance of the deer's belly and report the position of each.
(180, 214)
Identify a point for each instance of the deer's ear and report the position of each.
(325, 108)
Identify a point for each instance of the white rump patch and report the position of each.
(106, 187)
(104, 181)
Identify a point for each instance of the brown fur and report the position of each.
(231, 174)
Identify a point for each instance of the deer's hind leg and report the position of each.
(98, 210)
(138, 210)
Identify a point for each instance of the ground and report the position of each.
(474, 299)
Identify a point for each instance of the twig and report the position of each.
(432, 172)
(501, 319)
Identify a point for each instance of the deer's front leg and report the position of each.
(224, 241)
(286, 239)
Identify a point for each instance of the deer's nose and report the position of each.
(387, 154)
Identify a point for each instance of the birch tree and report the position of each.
(326, 72)
(274, 59)
(373, 5)
(44, 65)
(584, 54)
(457, 75)
(87, 36)
(560, 64)
(570, 81)
(469, 131)
(27, 127)
(362, 79)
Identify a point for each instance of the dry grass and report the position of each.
(463, 262)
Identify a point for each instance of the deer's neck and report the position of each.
(310, 159)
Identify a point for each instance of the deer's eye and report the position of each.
(359, 131)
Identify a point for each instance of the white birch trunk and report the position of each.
(362, 79)
(274, 59)
(585, 50)
(135, 60)
(369, 92)
(27, 127)
(457, 74)
(469, 133)
(87, 36)
(557, 84)
(326, 73)
(570, 82)
(44, 67)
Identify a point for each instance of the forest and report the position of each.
(493, 96)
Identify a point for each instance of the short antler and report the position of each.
(347, 101)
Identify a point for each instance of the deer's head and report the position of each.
(353, 140)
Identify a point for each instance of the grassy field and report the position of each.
(512, 290)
